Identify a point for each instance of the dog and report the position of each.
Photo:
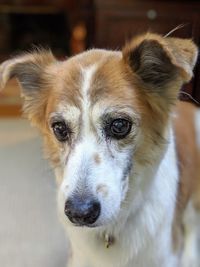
(124, 149)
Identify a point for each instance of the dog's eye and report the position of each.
(119, 128)
(61, 131)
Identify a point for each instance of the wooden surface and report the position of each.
(10, 100)
(108, 24)
(10, 111)
(116, 21)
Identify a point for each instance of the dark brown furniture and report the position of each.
(118, 20)
(108, 24)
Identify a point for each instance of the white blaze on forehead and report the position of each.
(87, 78)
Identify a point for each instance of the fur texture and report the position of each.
(135, 178)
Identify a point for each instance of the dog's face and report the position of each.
(104, 116)
(97, 129)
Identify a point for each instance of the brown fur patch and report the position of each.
(109, 81)
(93, 56)
(188, 164)
(196, 192)
(66, 80)
(97, 159)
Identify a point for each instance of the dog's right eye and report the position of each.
(61, 131)
(118, 128)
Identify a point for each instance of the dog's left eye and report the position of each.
(61, 131)
(118, 128)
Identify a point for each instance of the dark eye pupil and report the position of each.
(61, 131)
(119, 128)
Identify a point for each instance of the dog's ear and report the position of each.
(158, 61)
(30, 70)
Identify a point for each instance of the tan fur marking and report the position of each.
(102, 189)
(110, 81)
(66, 80)
(97, 159)
(92, 57)
(188, 164)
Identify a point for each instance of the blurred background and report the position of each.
(71, 26)
(30, 234)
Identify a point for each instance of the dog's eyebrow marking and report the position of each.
(69, 113)
(55, 116)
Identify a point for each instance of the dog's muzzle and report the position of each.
(82, 211)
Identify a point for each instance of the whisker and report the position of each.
(175, 29)
(192, 98)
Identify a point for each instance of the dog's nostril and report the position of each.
(82, 211)
(68, 205)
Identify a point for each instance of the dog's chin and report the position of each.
(86, 225)
(93, 225)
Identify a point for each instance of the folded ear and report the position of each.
(158, 61)
(30, 71)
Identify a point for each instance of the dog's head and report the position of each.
(104, 117)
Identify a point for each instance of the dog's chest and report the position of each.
(125, 251)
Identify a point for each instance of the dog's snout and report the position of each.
(82, 211)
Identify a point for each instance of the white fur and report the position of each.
(142, 238)
(87, 74)
(137, 212)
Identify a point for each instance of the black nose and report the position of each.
(82, 211)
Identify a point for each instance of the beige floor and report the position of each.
(30, 234)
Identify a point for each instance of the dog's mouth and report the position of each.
(82, 222)
(86, 225)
